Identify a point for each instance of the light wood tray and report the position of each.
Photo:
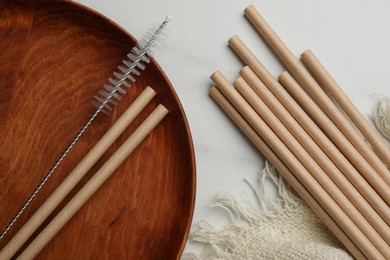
(54, 57)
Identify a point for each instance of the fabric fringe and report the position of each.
(381, 117)
(219, 241)
(264, 223)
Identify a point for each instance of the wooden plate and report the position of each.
(54, 57)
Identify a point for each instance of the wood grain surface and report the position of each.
(54, 57)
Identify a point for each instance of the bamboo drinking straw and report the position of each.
(307, 158)
(313, 149)
(274, 95)
(309, 105)
(315, 91)
(77, 174)
(342, 143)
(338, 215)
(285, 172)
(328, 83)
(94, 183)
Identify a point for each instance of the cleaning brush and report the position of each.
(127, 72)
(131, 67)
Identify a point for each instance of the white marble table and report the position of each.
(351, 37)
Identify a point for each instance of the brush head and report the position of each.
(131, 67)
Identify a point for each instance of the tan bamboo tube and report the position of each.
(348, 153)
(327, 82)
(301, 173)
(77, 174)
(314, 90)
(94, 183)
(280, 95)
(306, 158)
(314, 150)
(310, 106)
(285, 172)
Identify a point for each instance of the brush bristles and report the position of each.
(135, 62)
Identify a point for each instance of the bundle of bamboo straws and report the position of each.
(342, 176)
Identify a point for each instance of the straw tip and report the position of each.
(284, 74)
(245, 69)
(218, 78)
(238, 82)
(233, 38)
(215, 74)
(150, 89)
(212, 90)
(307, 52)
(249, 8)
(162, 109)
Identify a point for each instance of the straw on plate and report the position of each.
(77, 173)
(94, 183)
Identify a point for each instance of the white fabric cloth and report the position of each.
(285, 229)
